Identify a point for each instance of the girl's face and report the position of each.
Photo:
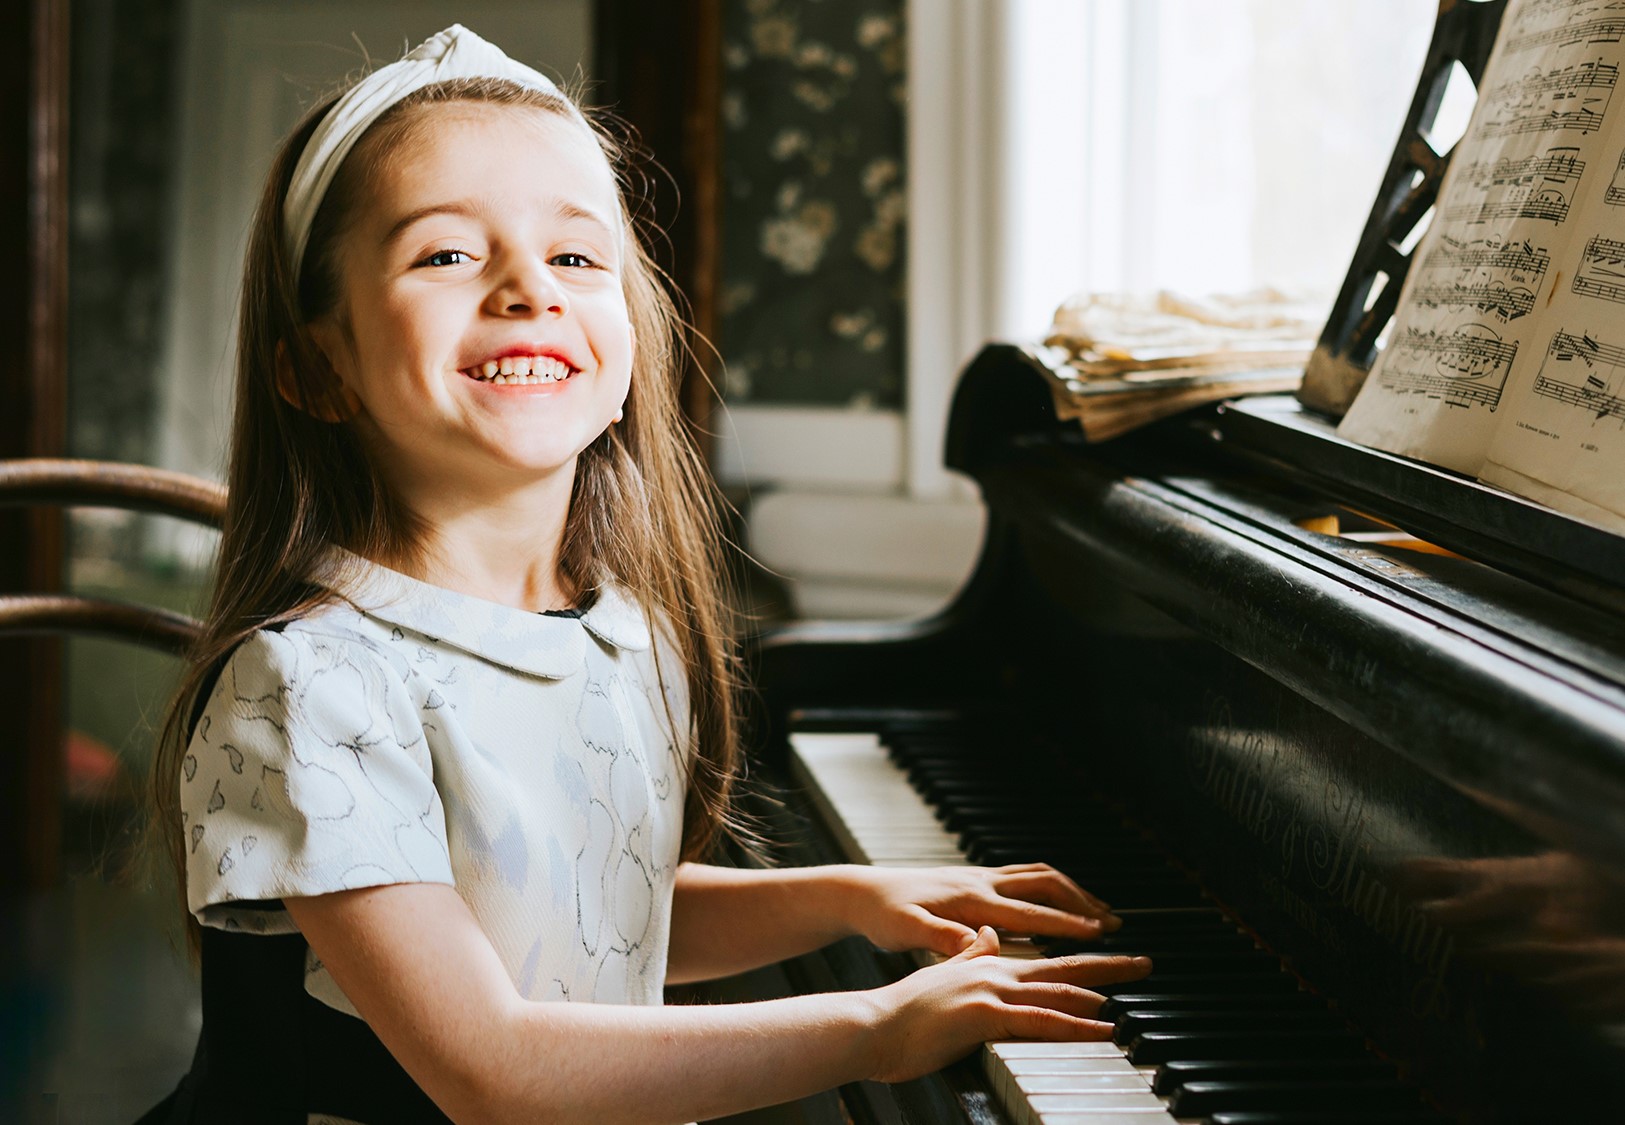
(488, 242)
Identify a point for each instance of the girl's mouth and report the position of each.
(521, 370)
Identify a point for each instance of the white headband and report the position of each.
(454, 53)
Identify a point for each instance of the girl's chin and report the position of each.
(515, 465)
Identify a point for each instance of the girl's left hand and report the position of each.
(941, 908)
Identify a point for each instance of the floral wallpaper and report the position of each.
(813, 202)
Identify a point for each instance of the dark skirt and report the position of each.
(270, 1054)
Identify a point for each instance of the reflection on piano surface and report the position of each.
(1363, 806)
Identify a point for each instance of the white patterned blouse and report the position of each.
(409, 734)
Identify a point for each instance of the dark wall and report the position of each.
(122, 138)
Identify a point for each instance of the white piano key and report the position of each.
(1142, 1101)
(1044, 1049)
(1116, 1083)
(1115, 1066)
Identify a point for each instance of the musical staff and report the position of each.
(1572, 97)
(1616, 186)
(1486, 274)
(1602, 270)
(1608, 29)
(1534, 12)
(1523, 260)
(1464, 367)
(1530, 187)
(1497, 300)
(1549, 205)
(1596, 371)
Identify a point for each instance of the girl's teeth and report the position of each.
(522, 371)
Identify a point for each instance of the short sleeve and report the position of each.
(307, 773)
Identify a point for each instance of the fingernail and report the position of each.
(1111, 923)
(1140, 962)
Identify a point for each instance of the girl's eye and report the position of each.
(445, 258)
(574, 260)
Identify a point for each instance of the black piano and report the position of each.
(1340, 735)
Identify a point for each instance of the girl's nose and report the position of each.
(528, 289)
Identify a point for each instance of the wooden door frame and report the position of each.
(33, 423)
(658, 66)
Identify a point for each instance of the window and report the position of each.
(1058, 146)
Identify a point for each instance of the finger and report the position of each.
(941, 935)
(1046, 1023)
(985, 944)
(1052, 889)
(1086, 970)
(1033, 918)
(1056, 996)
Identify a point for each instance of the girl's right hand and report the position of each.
(942, 1012)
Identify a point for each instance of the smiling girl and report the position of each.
(461, 731)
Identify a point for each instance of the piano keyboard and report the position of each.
(1218, 1034)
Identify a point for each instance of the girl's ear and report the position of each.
(338, 404)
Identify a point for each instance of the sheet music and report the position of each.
(1564, 441)
(1506, 358)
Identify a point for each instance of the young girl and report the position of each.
(461, 729)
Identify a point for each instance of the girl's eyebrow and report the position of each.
(567, 210)
(563, 209)
(455, 208)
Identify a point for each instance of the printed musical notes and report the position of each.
(1574, 97)
(1457, 368)
(1530, 187)
(1485, 274)
(1482, 373)
(1608, 29)
(1602, 270)
(1583, 372)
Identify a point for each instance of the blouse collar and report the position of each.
(536, 643)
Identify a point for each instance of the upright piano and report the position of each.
(1340, 736)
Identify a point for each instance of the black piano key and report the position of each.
(1163, 1046)
(1131, 1025)
(1199, 1099)
(1177, 915)
(1137, 923)
(1133, 939)
(1327, 1117)
(1139, 894)
(1253, 1031)
(1106, 849)
(1175, 1074)
(1249, 984)
(1008, 812)
(1126, 1002)
(1034, 831)
(1103, 856)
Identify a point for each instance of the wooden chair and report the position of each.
(86, 930)
(68, 483)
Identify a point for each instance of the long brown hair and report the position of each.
(644, 513)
